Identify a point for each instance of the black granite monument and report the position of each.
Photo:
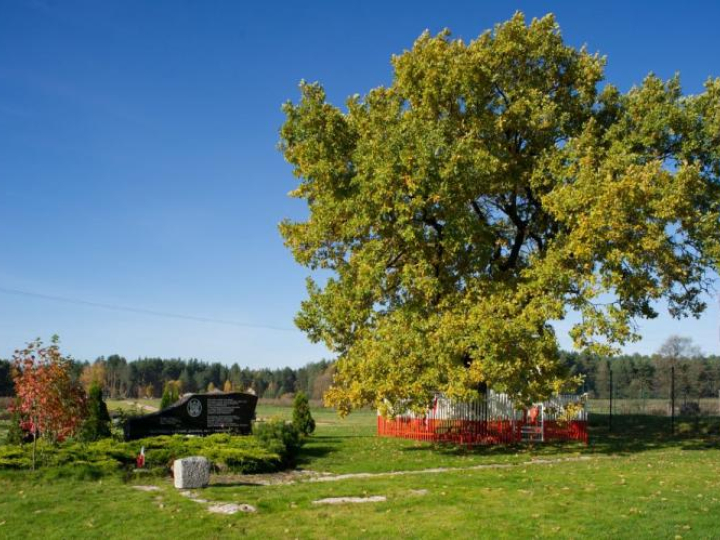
(197, 414)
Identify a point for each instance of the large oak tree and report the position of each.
(492, 188)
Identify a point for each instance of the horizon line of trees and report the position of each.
(635, 376)
(148, 377)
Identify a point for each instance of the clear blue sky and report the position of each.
(138, 160)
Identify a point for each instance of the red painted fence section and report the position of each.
(575, 430)
(472, 432)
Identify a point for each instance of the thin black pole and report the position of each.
(611, 396)
(672, 400)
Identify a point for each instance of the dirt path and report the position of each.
(301, 476)
(440, 470)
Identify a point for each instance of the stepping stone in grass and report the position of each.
(231, 508)
(147, 488)
(352, 500)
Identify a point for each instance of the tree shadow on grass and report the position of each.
(309, 453)
(642, 432)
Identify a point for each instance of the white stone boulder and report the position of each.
(191, 472)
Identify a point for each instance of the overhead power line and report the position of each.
(143, 311)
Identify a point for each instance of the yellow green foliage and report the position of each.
(489, 190)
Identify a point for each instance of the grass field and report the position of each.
(141, 404)
(708, 406)
(635, 482)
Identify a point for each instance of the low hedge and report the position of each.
(241, 454)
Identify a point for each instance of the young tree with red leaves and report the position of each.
(51, 405)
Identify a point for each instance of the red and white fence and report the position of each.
(493, 420)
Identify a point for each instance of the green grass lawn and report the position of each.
(141, 404)
(637, 482)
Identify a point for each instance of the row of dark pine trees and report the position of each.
(633, 376)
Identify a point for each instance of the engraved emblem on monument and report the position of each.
(194, 407)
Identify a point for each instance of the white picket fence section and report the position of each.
(496, 418)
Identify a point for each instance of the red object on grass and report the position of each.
(140, 460)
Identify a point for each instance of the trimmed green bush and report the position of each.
(281, 438)
(6, 404)
(15, 434)
(97, 423)
(171, 393)
(302, 419)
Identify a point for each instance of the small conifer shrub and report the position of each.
(302, 418)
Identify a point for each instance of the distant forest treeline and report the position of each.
(634, 376)
(146, 377)
(640, 376)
